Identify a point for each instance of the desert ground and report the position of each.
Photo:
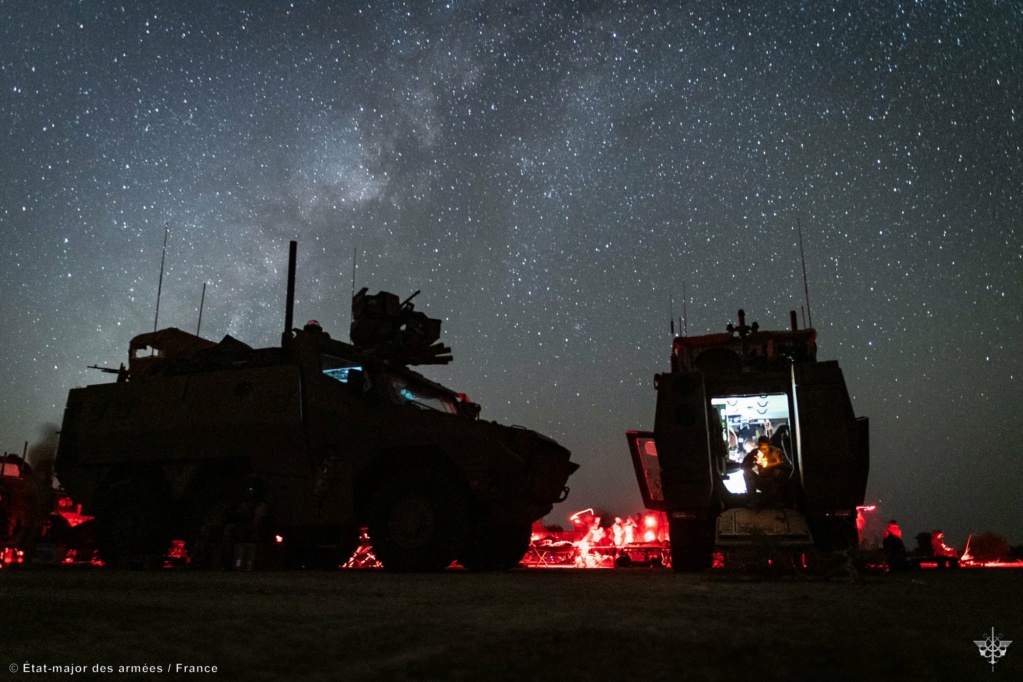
(526, 624)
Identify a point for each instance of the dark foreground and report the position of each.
(524, 625)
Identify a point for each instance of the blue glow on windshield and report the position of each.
(341, 373)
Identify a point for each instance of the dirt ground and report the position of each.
(528, 624)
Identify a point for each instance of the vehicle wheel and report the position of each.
(131, 528)
(692, 544)
(418, 521)
(833, 534)
(496, 548)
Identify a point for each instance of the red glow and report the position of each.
(74, 517)
(11, 555)
(279, 539)
(577, 518)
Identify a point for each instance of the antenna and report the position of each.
(202, 302)
(685, 317)
(806, 288)
(355, 250)
(159, 287)
(351, 311)
(671, 315)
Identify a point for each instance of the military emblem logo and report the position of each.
(992, 648)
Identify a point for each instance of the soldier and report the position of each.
(894, 547)
(766, 469)
(246, 526)
(943, 554)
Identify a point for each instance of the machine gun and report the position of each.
(384, 328)
(121, 372)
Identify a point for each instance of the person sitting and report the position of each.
(945, 556)
(766, 470)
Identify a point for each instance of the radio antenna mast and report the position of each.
(806, 288)
(671, 314)
(159, 287)
(351, 313)
(685, 316)
(202, 302)
(355, 251)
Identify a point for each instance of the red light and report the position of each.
(279, 539)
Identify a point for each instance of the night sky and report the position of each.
(551, 175)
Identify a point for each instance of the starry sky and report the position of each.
(552, 175)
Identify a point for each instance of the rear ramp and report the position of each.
(743, 527)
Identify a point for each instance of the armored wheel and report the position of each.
(495, 548)
(833, 534)
(131, 528)
(692, 543)
(418, 521)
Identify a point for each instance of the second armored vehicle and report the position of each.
(297, 447)
(724, 393)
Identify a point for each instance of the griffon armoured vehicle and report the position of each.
(300, 446)
(723, 393)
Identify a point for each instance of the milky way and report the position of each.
(551, 175)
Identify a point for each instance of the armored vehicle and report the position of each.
(723, 394)
(295, 448)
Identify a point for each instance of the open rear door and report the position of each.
(648, 468)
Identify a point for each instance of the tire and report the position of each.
(833, 534)
(131, 528)
(418, 521)
(692, 544)
(496, 548)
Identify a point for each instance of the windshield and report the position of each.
(423, 396)
(338, 368)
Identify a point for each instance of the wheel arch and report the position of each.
(389, 461)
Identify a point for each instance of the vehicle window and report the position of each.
(338, 368)
(421, 396)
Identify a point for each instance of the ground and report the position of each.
(522, 625)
